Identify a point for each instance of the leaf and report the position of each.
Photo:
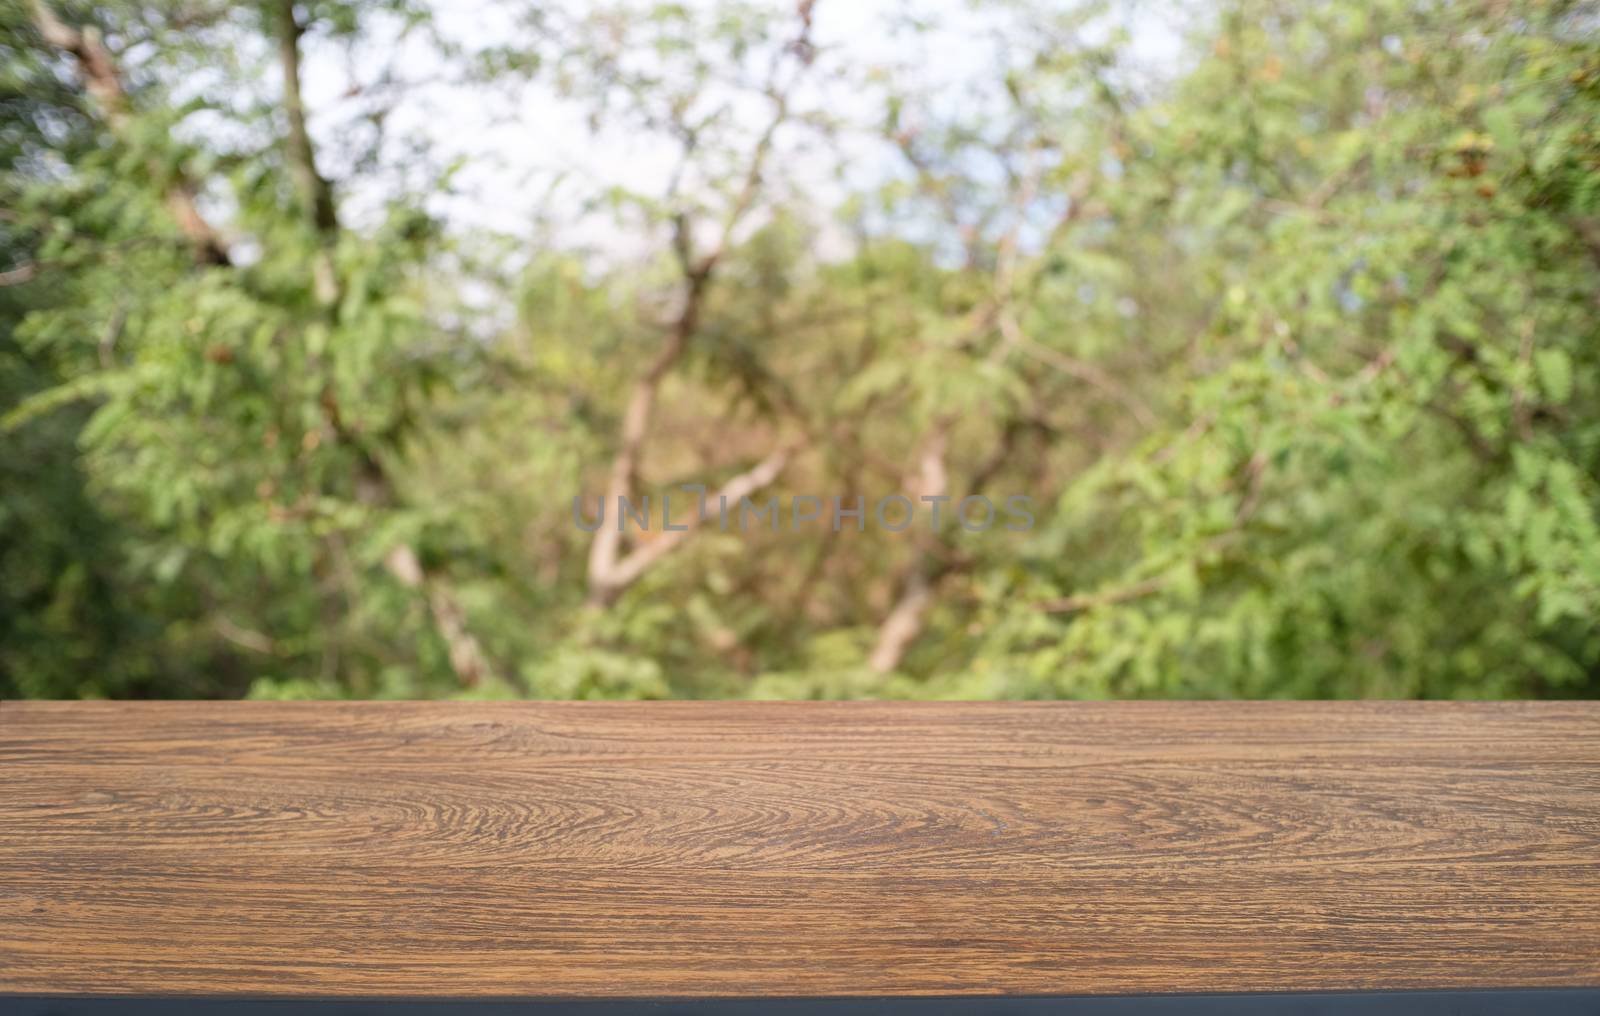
(30, 408)
(1554, 367)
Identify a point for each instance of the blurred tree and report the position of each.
(1384, 484)
(246, 404)
(1292, 345)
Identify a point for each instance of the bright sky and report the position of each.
(525, 151)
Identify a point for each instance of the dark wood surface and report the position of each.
(713, 849)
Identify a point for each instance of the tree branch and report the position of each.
(374, 485)
(631, 568)
(103, 82)
(1085, 601)
(608, 572)
(467, 658)
(905, 620)
(316, 196)
(24, 272)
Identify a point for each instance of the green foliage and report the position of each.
(1296, 350)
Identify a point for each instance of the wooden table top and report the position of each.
(743, 849)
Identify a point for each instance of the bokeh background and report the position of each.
(315, 317)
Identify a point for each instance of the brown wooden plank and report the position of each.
(643, 849)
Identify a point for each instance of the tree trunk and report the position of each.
(904, 622)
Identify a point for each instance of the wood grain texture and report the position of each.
(716, 849)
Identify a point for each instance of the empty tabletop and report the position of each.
(716, 849)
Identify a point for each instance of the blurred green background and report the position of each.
(315, 317)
